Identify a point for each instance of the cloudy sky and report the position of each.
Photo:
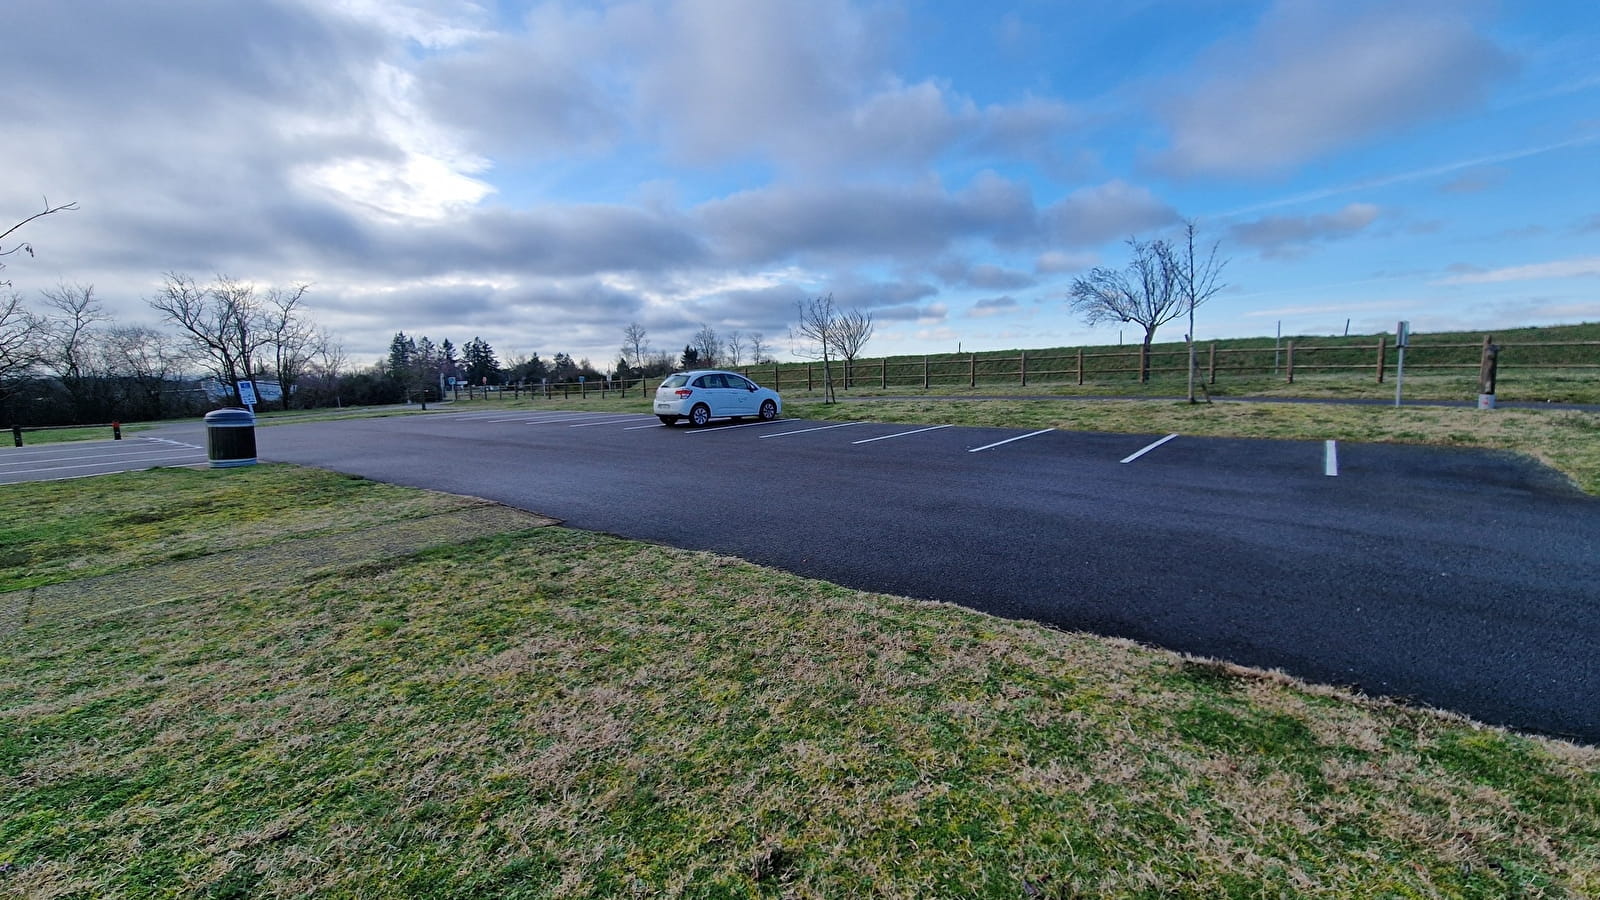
(542, 174)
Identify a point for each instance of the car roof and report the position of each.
(706, 371)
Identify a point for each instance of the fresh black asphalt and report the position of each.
(1468, 580)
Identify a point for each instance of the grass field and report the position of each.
(548, 713)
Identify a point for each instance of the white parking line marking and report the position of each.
(606, 422)
(560, 419)
(1330, 459)
(1009, 440)
(1149, 448)
(637, 427)
(808, 430)
(103, 458)
(901, 434)
(175, 454)
(178, 443)
(732, 427)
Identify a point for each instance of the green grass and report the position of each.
(120, 524)
(550, 713)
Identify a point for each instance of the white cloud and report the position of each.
(1584, 267)
(1320, 76)
(1291, 235)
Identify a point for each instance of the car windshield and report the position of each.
(674, 381)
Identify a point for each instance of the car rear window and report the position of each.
(675, 381)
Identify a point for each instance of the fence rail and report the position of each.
(1213, 363)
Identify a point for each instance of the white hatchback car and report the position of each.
(706, 394)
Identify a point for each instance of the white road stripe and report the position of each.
(606, 422)
(637, 427)
(1149, 448)
(104, 458)
(101, 465)
(561, 419)
(1330, 459)
(1009, 440)
(808, 430)
(901, 434)
(732, 427)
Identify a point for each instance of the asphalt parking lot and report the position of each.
(81, 459)
(1468, 580)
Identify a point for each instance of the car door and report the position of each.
(714, 390)
(742, 394)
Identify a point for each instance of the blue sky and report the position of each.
(542, 174)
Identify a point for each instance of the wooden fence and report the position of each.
(1289, 360)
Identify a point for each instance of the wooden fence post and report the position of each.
(1024, 366)
(972, 370)
(1289, 362)
(808, 376)
(883, 370)
(1211, 374)
(924, 372)
(1383, 346)
(1080, 365)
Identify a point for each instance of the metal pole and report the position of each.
(1399, 374)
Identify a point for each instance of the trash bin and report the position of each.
(231, 438)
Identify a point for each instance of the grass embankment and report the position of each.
(549, 713)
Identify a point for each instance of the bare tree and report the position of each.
(733, 347)
(814, 336)
(851, 331)
(329, 361)
(633, 344)
(291, 338)
(146, 361)
(68, 350)
(1145, 292)
(24, 246)
(758, 348)
(1198, 281)
(20, 337)
(208, 325)
(707, 344)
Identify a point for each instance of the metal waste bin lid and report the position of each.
(230, 418)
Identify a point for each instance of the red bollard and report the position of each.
(116, 431)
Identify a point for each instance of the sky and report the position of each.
(540, 175)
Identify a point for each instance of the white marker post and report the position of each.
(1402, 339)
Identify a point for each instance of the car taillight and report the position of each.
(683, 392)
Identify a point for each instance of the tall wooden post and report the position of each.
(1383, 347)
(1211, 367)
(972, 370)
(884, 371)
(1289, 361)
(924, 372)
(808, 377)
(1080, 365)
(1488, 367)
(1024, 362)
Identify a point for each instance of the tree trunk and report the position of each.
(1144, 356)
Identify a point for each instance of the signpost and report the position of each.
(1402, 340)
(247, 395)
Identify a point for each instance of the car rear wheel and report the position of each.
(668, 420)
(700, 415)
(769, 411)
